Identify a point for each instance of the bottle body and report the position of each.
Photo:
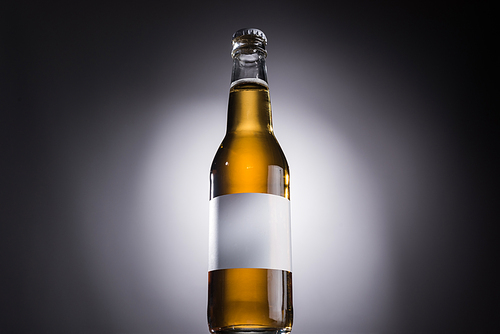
(250, 279)
(250, 300)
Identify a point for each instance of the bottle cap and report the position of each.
(249, 39)
(250, 32)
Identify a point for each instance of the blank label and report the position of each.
(249, 230)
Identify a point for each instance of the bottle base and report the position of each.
(252, 331)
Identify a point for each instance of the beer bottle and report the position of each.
(249, 278)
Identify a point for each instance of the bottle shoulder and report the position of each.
(249, 163)
(250, 148)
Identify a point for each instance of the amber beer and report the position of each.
(249, 279)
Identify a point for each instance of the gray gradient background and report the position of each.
(110, 117)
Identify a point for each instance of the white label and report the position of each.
(249, 230)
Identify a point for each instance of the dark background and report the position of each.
(110, 114)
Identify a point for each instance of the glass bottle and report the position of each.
(250, 277)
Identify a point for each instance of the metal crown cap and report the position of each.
(250, 32)
(249, 39)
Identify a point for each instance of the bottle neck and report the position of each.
(249, 107)
(249, 65)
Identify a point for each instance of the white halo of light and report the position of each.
(340, 251)
(337, 219)
(172, 205)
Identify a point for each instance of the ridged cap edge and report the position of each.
(250, 32)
